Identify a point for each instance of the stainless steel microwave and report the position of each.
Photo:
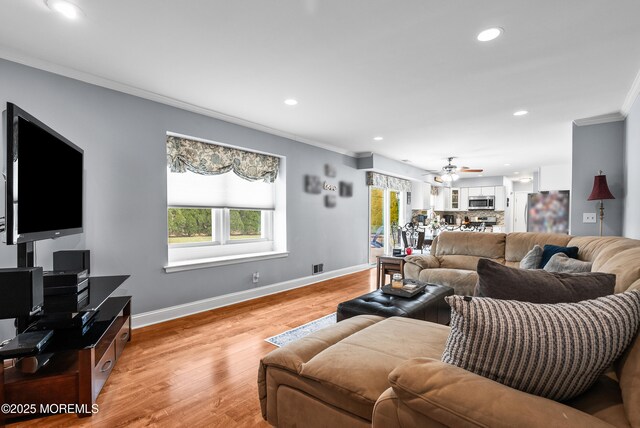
(482, 203)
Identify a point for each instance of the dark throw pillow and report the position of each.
(532, 259)
(550, 250)
(539, 286)
(554, 351)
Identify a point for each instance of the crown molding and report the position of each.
(631, 96)
(93, 79)
(604, 118)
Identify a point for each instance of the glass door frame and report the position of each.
(386, 218)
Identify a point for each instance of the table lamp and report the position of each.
(600, 191)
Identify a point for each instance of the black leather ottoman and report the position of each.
(427, 306)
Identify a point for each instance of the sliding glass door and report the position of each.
(385, 217)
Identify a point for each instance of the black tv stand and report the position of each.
(26, 254)
(80, 365)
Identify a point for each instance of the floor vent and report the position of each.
(319, 268)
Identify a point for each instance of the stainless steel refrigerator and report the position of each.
(548, 212)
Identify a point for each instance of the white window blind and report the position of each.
(226, 190)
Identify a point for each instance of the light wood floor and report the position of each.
(202, 370)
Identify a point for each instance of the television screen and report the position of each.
(44, 180)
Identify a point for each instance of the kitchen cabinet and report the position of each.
(475, 191)
(454, 199)
(500, 198)
(464, 199)
(488, 191)
(482, 191)
(442, 199)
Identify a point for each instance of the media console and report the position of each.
(80, 364)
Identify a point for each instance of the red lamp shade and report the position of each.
(600, 189)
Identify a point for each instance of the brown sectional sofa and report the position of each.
(455, 256)
(368, 370)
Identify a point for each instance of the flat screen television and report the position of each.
(44, 180)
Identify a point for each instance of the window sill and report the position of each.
(221, 261)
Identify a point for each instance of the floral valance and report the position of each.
(388, 182)
(211, 159)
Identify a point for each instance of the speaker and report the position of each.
(71, 260)
(21, 291)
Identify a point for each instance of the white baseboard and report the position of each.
(161, 315)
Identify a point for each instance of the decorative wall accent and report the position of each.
(346, 189)
(330, 170)
(329, 187)
(312, 184)
(330, 201)
(388, 182)
(211, 159)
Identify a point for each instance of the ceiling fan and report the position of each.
(451, 172)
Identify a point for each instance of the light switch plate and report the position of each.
(588, 217)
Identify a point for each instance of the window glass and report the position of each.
(245, 224)
(190, 225)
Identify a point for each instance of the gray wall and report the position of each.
(125, 207)
(631, 227)
(597, 147)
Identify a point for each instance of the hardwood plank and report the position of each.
(202, 370)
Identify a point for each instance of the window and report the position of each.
(222, 202)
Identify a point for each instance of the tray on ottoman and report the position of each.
(405, 292)
(427, 306)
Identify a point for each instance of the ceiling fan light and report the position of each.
(446, 178)
(454, 176)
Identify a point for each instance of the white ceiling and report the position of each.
(411, 71)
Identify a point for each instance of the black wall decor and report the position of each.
(330, 201)
(346, 189)
(330, 170)
(312, 184)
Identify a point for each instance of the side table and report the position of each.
(388, 265)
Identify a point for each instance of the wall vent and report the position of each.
(319, 268)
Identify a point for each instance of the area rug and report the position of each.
(302, 331)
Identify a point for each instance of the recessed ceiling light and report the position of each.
(490, 34)
(517, 172)
(378, 138)
(64, 8)
(480, 175)
(507, 164)
(291, 102)
(520, 113)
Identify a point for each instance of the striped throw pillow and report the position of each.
(555, 351)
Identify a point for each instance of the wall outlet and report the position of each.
(588, 217)
(316, 269)
(256, 277)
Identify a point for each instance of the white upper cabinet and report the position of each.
(488, 191)
(500, 198)
(464, 199)
(475, 191)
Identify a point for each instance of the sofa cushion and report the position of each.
(518, 244)
(562, 263)
(532, 259)
(539, 286)
(457, 250)
(290, 358)
(462, 281)
(549, 250)
(554, 351)
(361, 363)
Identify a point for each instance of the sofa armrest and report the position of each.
(455, 397)
(423, 261)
